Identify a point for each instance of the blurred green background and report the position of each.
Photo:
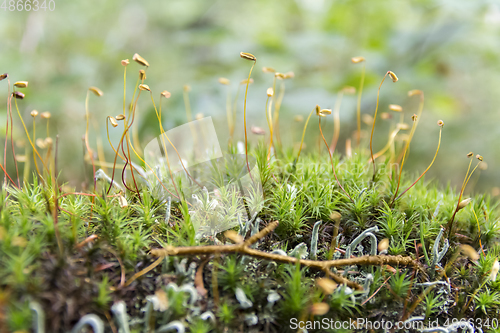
(449, 49)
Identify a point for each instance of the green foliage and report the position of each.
(342, 301)
(432, 304)
(177, 302)
(487, 301)
(400, 283)
(296, 293)
(226, 313)
(104, 293)
(19, 317)
(231, 273)
(484, 266)
(289, 207)
(199, 326)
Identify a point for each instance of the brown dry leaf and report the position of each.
(123, 202)
(161, 295)
(327, 285)
(320, 309)
(234, 236)
(383, 244)
(198, 278)
(469, 251)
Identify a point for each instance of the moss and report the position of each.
(76, 253)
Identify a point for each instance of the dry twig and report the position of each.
(244, 248)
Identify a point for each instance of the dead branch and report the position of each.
(244, 248)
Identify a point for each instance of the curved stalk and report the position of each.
(277, 107)
(34, 139)
(423, 173)
(269, 119)
(89, 151)
(229, 113)
(125, 129)
(464, 184)
(336, 121)
(29, 139)
(303, 134)
(415, 119)
(358, 106)
(245, 117)
(231, 130)
(392, 136)
(373, 126)
(178, 155)
(331, 160)
(405, 151)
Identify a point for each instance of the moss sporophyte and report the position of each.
(183, 233)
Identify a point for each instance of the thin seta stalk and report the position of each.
(357, 60)
(336, 115)
(278, 100)
(234, 108)
(399, 126)
(3, 77)
(135, 131)
(461, 204)
(251, 57)
(46, 115)
(323, 113)
(164, 146)
(405, 152)
(128, 158)
(9, 116)
(336, 122)
(394, 79)
(34, 114)
(113, 120)
(12, 140)
(132, 108)
(478, 231)
(98, 93)
(56, 200)
(18, 95)
(440, 124)
(415, 118)
(411, 93)
(303, 135)
(132, 128)
(142, 76)
(269, 104)
(390, 142)
(185, 93)
(167, 95)
(126, 127)
(123, 117)
(269, 118)
(229, 112)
